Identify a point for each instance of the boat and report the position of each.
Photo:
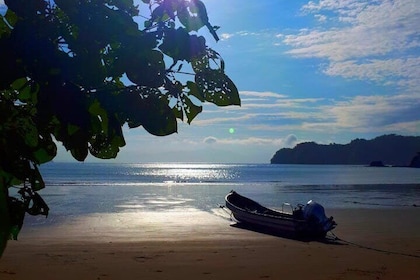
(303, 221)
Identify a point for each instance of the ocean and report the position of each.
(77, 189)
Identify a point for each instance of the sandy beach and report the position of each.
(192, 244)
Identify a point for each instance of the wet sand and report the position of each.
(373, 244)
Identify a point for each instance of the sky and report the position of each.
(327, 71)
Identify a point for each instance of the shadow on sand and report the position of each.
(328, 239)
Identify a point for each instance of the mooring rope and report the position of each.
(336, 238)
(227, 212)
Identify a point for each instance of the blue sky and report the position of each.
(327, 71)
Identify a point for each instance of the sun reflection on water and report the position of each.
(175, 173)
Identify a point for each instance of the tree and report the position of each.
(77, 71)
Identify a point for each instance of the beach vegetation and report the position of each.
(74, 73)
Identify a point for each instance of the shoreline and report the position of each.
(192, 244)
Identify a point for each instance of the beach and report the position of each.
(375, 243)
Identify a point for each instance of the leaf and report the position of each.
(161, 121)
(9, 178)
(105, 147)
(16, 216)
(28, 131)
(46, 151)
(9, 18)
(161, 14)
(194, 16)
(20, 84)
(39, 207)
(176, 44)
(149, 108)
(202, 62)
(217, 88)
(178, 112)
(180, 45)
(43, 155)
(191, 110)
(200, 9)
(195, 91)
(4, 216)
(191, 17)
(4, 28)
(106, 143)
(14, 232)
(72, 129)
(77, 143)
(197, 47)
(146, 68)
(147, 24)
(37, 183)
(80, 153)
(100, 113)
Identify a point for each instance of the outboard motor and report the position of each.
(315, 213)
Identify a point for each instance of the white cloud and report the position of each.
(397, 114)
(252, 99)
(321, 18)
(261, 94)
(409, 127)
(372, 40)
(210, 140)
(244, 34)
(269, 113)
(227, 119)
(378, 70)
(262, 113)
(361, 114)
(226, 36)
(343, 8)
(290, 140)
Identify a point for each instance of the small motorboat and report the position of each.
(303, 221)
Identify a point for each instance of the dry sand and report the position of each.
(378, 244)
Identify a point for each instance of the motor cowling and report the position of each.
(315, 214)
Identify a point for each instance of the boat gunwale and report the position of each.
(280, 216)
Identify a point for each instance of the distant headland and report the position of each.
(385, 150)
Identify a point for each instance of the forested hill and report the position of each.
(391, 149)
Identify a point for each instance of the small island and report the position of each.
(415, 162)
(388, 150)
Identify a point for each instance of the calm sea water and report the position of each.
(75, 189)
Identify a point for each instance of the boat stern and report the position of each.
(314, 214)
